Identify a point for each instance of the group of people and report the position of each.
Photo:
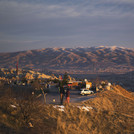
(64, 90)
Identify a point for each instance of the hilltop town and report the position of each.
(26, 77)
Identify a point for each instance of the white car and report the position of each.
(86, 91)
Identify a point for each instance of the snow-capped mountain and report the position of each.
(74, 60)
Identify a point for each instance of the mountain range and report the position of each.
(73, 60)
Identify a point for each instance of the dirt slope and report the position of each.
(111, 112)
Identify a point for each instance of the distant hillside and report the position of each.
(73, 60)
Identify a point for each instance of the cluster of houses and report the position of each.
(25, 77)
(88, 85)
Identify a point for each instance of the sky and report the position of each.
(36, 24)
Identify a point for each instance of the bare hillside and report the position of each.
(110, 112)
(74, 60)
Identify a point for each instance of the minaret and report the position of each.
(17, 73)
(17, 67)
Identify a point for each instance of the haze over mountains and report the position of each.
(73, 60)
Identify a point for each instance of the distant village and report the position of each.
(25, 78)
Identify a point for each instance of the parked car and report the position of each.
(82, 89)
(86, 91)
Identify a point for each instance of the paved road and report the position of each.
(53, 97)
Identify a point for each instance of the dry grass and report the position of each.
(112, 113)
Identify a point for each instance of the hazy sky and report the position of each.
(35, 24)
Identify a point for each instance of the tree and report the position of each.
(65, 79)
(36, 84)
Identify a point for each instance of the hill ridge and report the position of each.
(73, 60)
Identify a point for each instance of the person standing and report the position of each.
(61, 94)
(68, 96)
